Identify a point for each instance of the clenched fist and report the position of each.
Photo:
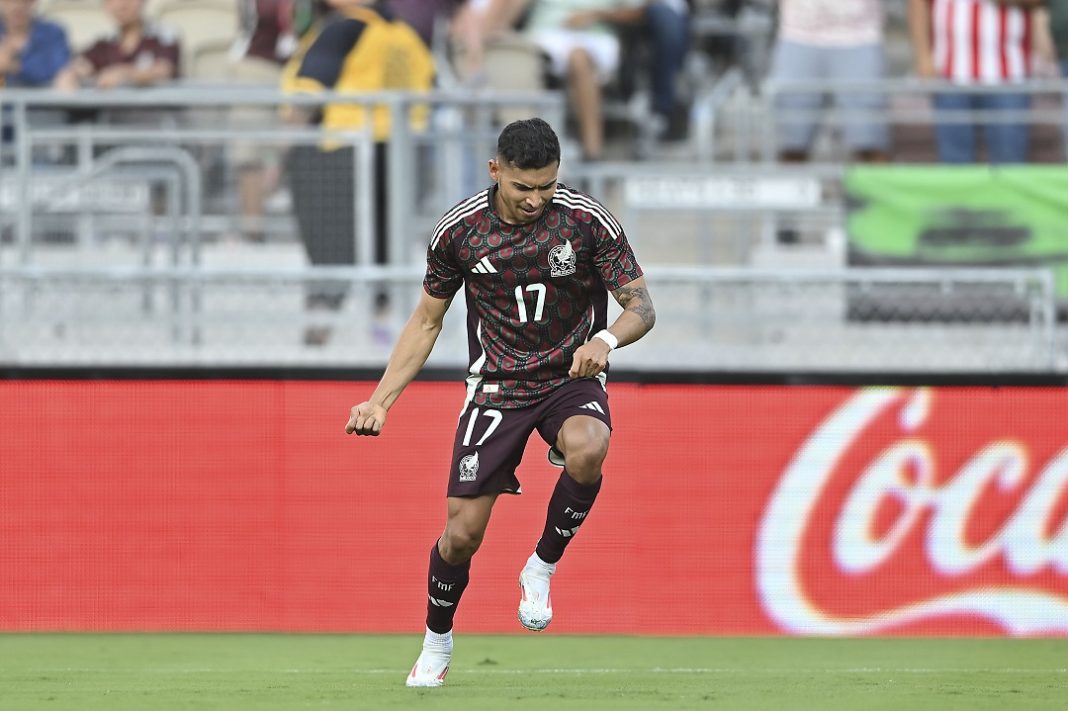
(367, 418)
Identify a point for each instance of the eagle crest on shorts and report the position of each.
(469, 467)
(562, 259)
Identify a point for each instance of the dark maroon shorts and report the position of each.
(490, 442)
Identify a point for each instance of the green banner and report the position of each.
(960, 216)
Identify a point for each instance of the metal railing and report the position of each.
(737, 121)
(708, 318)
(192, 121)
(156, 280)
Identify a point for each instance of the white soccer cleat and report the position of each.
(535, 607)
(433, 662)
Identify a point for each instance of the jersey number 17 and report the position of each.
(539, 303)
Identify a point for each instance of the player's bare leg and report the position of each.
(450, 563)
(583, 441)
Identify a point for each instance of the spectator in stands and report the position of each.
(830, 41)
(663, 28)
(33, 52)
(471, 25)
(580, 39)
(264, 42)
(667, 24)
(362, 47)
(137, 54)
(974, 44)
(424, 15)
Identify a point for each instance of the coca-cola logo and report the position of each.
(822, 503)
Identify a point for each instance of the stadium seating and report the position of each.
(84, 20)
(200, 23)
(209, 62)
(511, 63)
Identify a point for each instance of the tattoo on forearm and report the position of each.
(637, 301)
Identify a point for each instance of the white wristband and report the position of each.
(606, 336)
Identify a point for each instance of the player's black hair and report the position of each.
(528, 144)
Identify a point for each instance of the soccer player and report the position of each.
(536, 260)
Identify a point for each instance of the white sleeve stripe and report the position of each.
(459, 207)
(594, 206)
(450, 220)
(583, 197)
(458, 211)
(597, 212)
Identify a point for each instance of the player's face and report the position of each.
(522, 194)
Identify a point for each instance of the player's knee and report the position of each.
(460, 543)
(583, 460)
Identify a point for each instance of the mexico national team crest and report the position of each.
(469, 467)
(562, 259)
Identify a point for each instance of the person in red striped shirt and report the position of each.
(986, 48)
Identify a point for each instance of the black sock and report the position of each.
(570, 504)
(446, 584)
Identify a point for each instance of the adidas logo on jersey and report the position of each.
(593, 405)
(484, 267)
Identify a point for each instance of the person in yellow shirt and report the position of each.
(360, 48)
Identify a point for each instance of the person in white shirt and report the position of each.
(583, 49)
(834, 42)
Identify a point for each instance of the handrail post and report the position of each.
(23, 177)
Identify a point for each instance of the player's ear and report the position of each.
(494, 170)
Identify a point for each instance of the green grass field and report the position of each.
(153, 672)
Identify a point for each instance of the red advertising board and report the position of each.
(221, 505)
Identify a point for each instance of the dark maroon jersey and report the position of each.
(157, 42)
(535, 293)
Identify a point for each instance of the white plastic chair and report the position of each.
(200, 23)
(84, 20)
